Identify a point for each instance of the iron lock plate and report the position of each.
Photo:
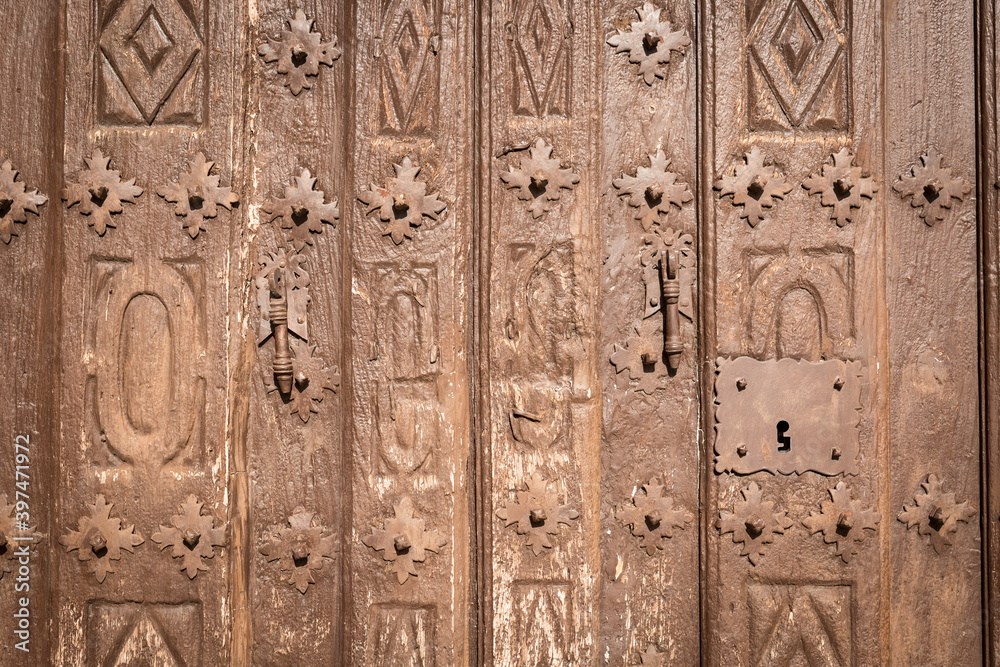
(787, 416)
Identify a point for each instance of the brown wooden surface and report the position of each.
(797, 249)
(478, 351)
(178, 376)
(31, 267)
(647, 437)
(540, 279)
(410, 327)
(294, 463)
(932, 329)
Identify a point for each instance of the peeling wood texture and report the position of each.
(500, 332)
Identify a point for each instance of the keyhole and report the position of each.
(784, 441)
(99, 551)
(755, 190)
(5, 205)
(195, 202)
(931, 193)
(299, 57)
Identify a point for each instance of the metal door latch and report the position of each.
(282, 295)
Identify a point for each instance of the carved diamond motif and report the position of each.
(796, 45)
(150, 45)
(151, 41)
(541, 59)
(798, 38)
(408, 69)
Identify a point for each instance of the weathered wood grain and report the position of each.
(835, 278)
(409, 326)
(646, 599)
(29, 312)
(936, 612)
(541, 289)
(294, 463)
(146, 461)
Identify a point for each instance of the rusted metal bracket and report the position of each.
(283, 296)
(664, 259)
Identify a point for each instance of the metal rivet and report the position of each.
(754, 525)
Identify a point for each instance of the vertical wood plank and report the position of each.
(540, 275)
(29, 313)
(650, 416)
(794, 285)
(146, 324)
(295, 462)
(933, 329)
(408, 261)
(988, 216)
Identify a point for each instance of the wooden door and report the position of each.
(511, 332)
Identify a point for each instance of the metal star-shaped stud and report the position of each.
(842, 520)
(101, 539)
(198, 195)
(753, 522)
(100, 192)
(303, 210)
(935, 513)
(299, 52)
(753, 186)
(652, 517)
(15, 201)
(539, 178)
(404, 541)
(841, 186)
(311, 378)
(403, 203)
(193, 537)
(651, 658)
(635, 356)
(15, 534)
(649, 42)
(653, 190)
(536, 513)
(300, 548)
(931, 187)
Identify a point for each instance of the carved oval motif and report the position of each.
(146, 362)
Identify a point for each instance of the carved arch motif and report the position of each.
(824, 274)
(407, 407)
